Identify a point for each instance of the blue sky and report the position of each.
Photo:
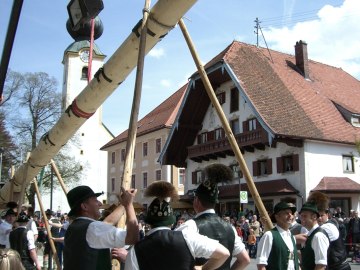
(329, 27)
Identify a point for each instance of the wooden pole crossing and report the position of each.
(229, 134)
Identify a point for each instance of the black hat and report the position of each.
(310, 206)
(10, 212)
(160, 212)
(284, 205)
(49, 212)
(212, 175)
(22, 217)
(79, 194)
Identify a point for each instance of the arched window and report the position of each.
(84, 73)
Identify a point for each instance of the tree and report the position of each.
(37, 109)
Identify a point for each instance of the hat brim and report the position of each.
(72, 210)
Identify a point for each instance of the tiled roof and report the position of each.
(290, 104)
(162, 116)
(287, 104)
(337, 185)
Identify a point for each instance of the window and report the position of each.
(122, 154)
(196, 177)
(145, 149)
(133, 181)
(145, 180)
(289, 163)
(237, 172)
(221, 98)
(158, 145)
(181, 176)
(262, 167)
(235, 127)
(234, 100)
(252, 124)
(348, 164)
(219, 133)
(158, 175)
(202, 138)
(84, 73)
(112, 184)
(113, 158)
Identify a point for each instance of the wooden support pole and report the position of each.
(51, 241)
(226, 126)
(131, 139)
(58, 175)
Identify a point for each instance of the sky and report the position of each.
(330, 28)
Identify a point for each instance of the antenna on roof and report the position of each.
(257, 27)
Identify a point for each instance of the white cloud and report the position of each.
(332, 38)
(165, 83)
(157, 52)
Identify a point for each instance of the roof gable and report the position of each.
(162, 116)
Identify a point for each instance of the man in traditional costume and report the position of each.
(163, 248)
(277, 247)
(208, 223)
(88, 241)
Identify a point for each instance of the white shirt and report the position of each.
(266, 242)
(200, 246)
(5, 229)
(320, 244)
(191, 225)
(331, 230)
(102, 235)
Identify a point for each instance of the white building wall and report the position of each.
(91, 136)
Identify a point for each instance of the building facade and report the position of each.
(152, 133)
(296, 132)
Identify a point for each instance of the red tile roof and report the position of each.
(286, 103)
(337, 185)
(163, 116)
(290, 104)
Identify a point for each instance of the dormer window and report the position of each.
(349, 115)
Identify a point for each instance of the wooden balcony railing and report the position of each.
(247, 141)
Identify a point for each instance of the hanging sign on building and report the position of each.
(243, 197)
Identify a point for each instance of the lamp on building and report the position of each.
(81, 11)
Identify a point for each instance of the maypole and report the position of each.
(162, 18)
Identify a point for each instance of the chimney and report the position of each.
(301, 57)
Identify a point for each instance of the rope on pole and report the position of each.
(229, 134)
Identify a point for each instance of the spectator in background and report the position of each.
(22, 240)
(256, 226)
(251, 243)
(6, 227)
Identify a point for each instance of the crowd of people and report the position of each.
(312, 237)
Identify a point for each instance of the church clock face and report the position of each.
(84, 56)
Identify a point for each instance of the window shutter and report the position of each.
(269, 166)
(296, 162)
(193, 178)
(210, 135)
(255, 168)
(245, 126)
(279, 165)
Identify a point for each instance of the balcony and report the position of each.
(247, 141)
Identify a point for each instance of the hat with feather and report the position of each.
(320, 199)
(213, 175)
(160, 212)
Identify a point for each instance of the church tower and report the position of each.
(86, 143)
